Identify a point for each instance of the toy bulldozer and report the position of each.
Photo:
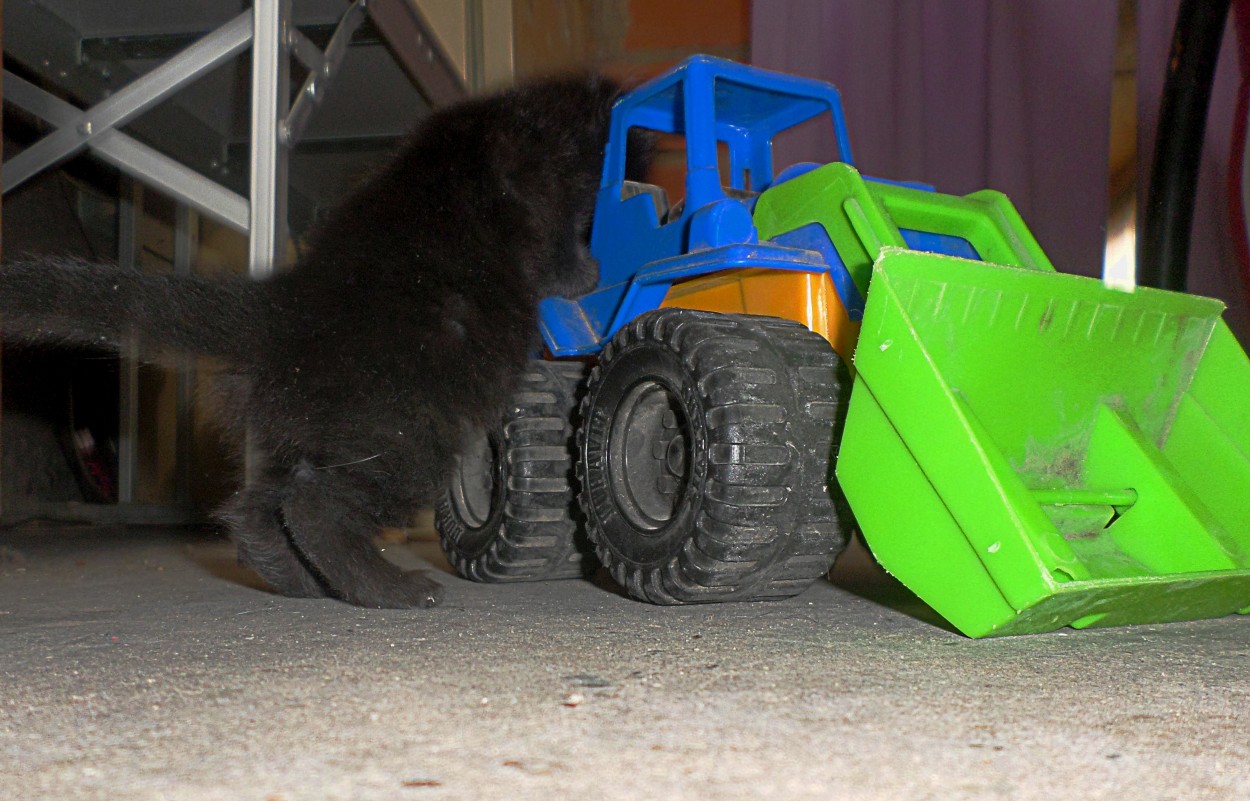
(1023, 449)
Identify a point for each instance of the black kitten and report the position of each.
(406, 325)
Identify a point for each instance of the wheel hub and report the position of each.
(473, 488)
(649, 451)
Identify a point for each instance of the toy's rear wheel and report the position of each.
(705, 457)
(509, 512)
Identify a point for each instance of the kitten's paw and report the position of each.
(411, 590)
(422, 590)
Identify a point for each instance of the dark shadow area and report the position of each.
(217, 558)
(857, 572)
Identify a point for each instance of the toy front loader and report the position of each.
(1024, 449)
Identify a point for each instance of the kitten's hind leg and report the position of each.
(325, 516)
(254, 521)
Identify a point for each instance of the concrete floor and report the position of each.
(142, 664)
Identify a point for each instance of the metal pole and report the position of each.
(270, 103)
(417, 50)
(129, 201)
(475, 42)
(186, 243)
(267, 233)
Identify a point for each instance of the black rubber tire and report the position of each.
(510, 512)
(704, 457)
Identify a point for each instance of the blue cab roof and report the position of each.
(744, 105)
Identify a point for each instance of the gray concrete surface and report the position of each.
(142, 665)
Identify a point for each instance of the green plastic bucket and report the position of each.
(1027, 450)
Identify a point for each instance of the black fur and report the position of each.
(405, 326)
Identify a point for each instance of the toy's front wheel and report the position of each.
(508, 513)
(704, 457)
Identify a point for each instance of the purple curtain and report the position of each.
(1014, 96)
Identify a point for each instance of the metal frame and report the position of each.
(132, 158)
(416, 48)
(276, 126)
(322, 67)
(88, 126)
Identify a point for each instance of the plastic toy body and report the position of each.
(644, 248)
(1023, 449)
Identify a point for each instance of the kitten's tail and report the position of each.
(75, 302)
